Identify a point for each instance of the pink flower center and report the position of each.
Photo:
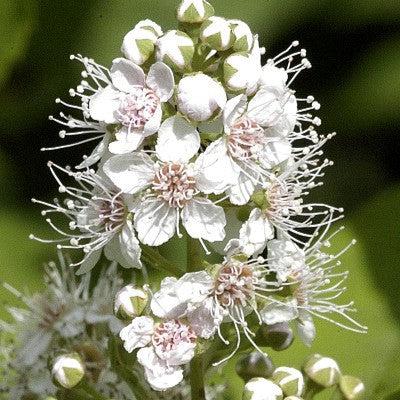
(245, 139)
(234, 284)
(173, 184)
(137, 108)
(111, 212)
(171, 334)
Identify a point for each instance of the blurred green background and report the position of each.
(354, 46)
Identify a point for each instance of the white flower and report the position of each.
(99, 218)
(217, 33)
(133, 101)
(242, 70)
(68, 370)
(244, 156)
(130, 302)
(138, 333)
(200, 97)
(243, 35)
(139, 43)
(173, 187)
(194, 11)
(262, 389)
(176, 49)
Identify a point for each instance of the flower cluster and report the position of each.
(196, 133)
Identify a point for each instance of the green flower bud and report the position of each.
(278, 336)
(175, 49)
(254, 365)
(243, 35)
(130, 302)
(261, 388)
(194, 11)
(351, 387)
(217, 33)
(68, 370)
(290, 380)
(322, 370)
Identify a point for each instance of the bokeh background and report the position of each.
(354, 46)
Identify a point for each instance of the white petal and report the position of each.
(138, 333)
(233, 110)
(161, 79)
(153, 124)
(177, 140)
(216, 171)
(89, 263)
(275, 152)
(265, 108)
(130, 172)
(204, 220)
(96, 154)
(125, 74)
(194, 287)
(306, 328)
(203, 321)
(274, 312)
(273, 77)
(104, 104)
(240, 193)
(155, 222)
(180, 355)
(126, 141)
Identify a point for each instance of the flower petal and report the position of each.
(104, 104)
(277, 312)
(130, 172)
(161, 79)
(204, 220)
(125, 74)
(90, 262)
(233, 110)
(126, 141)
(177, 140)
(275, 152)
(96, 154)
(138, 333)
(155, 222)
(265, 107)
(153, 124)
(240, 193)
(203, 321)
(306, 328)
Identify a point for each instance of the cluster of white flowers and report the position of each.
(192, 125)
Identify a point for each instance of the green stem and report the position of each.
(156, 260)
(85, 387)
(195, 256)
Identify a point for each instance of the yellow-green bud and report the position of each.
(194, 11)
(243, 35)
(217, 33)
(130, 302)
(322, 370)
(290, 380)
(351, 387)
(68, 370)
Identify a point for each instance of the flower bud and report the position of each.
(290, 380)
(322, 370)
(278, 336)
(138, 44)
(175, 49)
(194, 11)
(130, 302)
(200, 97)
(243, 35)
(261, 388)
(293, 398)
(254, 365)
(217, 33)
(238, 75)
(351, 387)
(68, 370)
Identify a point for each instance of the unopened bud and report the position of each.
(217, 33)
(322, 370)
(175, 49)
(194, 11)
(278, 336)
(243, 36)
(290, 380)
(68, 370)
(130, 302)
(254, 365)
(261, 388)
(351, 387)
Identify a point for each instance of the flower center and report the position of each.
(245, 139)
(171, 334)
(173, 184)
(137, 108)
(281, 201)
(111, 212)
(234, 284)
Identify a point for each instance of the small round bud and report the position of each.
(68, 370)
(351, 387)
(194, 11)
(139, 44)
(322, 370)
(278, 336)
(200, 97)
(243, 35)
(261, 388)
(290, 380)
(254, 365)
(175, 49)
(130, 302)
(217, 33)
